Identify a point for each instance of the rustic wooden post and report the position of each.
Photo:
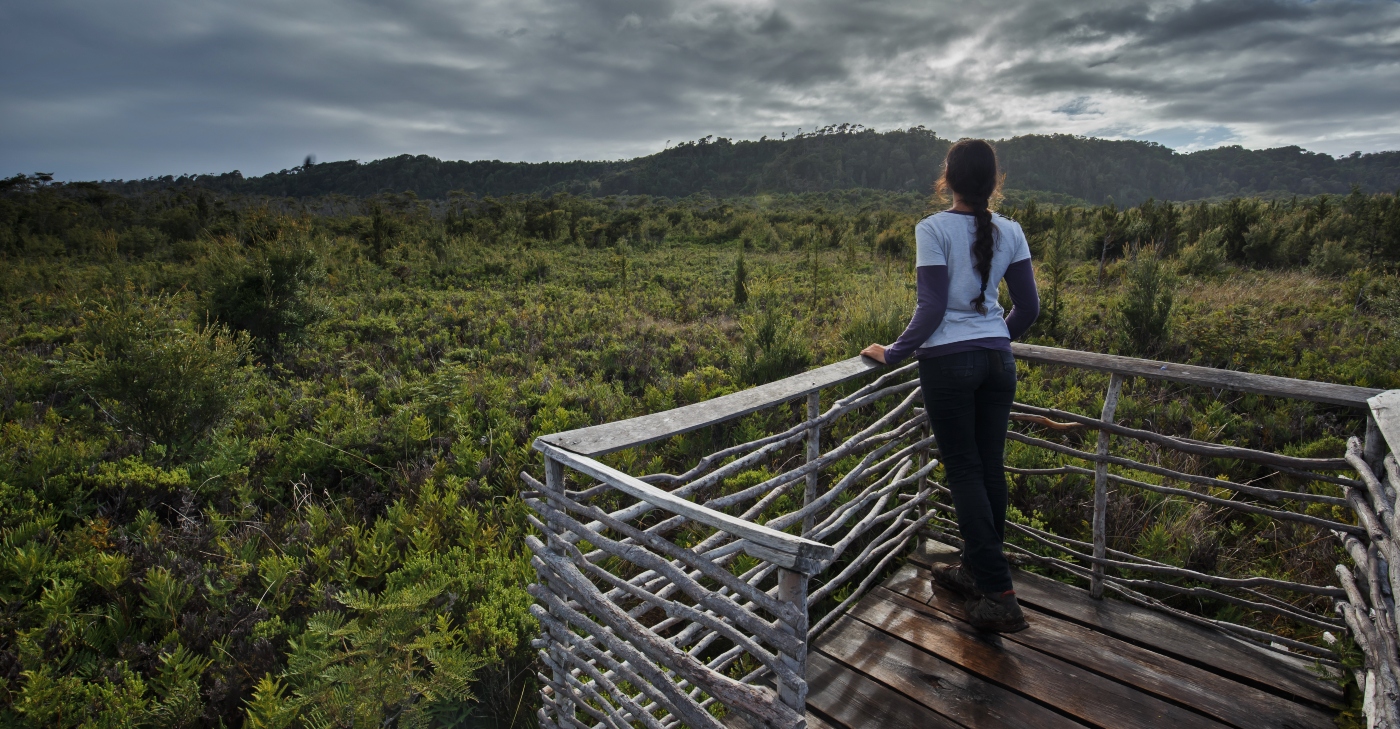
(814, 451)
(564, 705)
(924, 456)
(1374, 449)
(792, 589)
(1110, 404)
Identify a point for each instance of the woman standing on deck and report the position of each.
(966, 369)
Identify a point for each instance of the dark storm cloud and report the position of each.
(145, 87)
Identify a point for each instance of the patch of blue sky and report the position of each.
(1190, 139)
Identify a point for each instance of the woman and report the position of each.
(966, 369)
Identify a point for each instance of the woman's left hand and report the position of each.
(875, 352)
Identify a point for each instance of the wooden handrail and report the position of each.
(606, 438)
(1310, 390)
(771, 545)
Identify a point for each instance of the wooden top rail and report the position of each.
(770, 545)
(606, 438)
(1309, 390)
(598, 440)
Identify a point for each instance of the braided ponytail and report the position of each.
(970, 169)
(982, 248)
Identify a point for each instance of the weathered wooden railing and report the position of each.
(662, 595)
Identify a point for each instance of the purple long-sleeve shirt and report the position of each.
(933, 303)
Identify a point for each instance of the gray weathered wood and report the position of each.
(676, 700)
(1190, 478)
(1324, 392)
(1140, 667)
(1272, 513)
(870, 436)
(880, 545)
(814, 451)
(792, 589)
(554, 481)
(690, 559)
(602, 707)
(1370, 636)
(1182, 572)
(608, 437)
(797, 552)
(561, 633)
(1209, 450)
(694, 626)
(1095, 700)
(1100, 523)
(864, 586)
(749, 698)
(1278, 607)
(1274, 642)
(1385, 408)
(1375, 443)
(1270, 495)
(710, 601)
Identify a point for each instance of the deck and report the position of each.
(693, 605)
(904, 658)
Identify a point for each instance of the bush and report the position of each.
(1204, 257)
(1055, 267)
(894, 241)
(741, 277)
(773, 349)
(877, 315)
(270, 297)
(1147, 304)
(1333, 259)
(154, 375)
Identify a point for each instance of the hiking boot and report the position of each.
(997, 613)
(955, 578)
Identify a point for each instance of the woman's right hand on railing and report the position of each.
(875, 352)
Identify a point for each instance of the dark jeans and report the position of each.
(968, 398)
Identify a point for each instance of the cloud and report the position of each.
(1078, 106)
(147, 87)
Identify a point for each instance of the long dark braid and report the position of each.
(970, 169)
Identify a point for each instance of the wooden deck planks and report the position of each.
(933, 682)
(1078, 692)
(1199, 645)
(1236, 704)
(858, 702)
(904, 657)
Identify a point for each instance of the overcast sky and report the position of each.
(132, 88)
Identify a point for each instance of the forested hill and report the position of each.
(842, 157)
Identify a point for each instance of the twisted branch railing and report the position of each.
(671, 599)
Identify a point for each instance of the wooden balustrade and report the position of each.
(661, 596)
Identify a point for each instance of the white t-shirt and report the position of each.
(945, 239)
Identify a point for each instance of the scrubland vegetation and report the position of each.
(259, 457)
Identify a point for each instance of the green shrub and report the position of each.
(1333, 259)
(741, 287)
(1204, 257)
(877, 314)
(895, 241)
(1056, 262)
(1146, 306)
(270, 296)
(772, 349)
(155, 376)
